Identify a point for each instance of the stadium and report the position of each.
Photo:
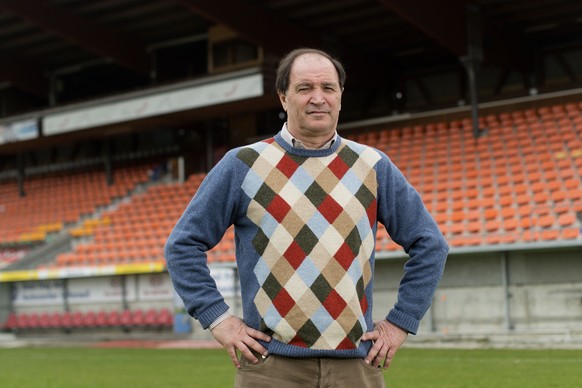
(113, 112)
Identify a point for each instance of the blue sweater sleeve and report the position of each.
(199, 229)
(409, 224)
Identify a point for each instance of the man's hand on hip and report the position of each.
(387, 339)
(233, 334)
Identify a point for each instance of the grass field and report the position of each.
(208, 368)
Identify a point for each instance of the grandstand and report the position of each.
(95, 173)
(519, 183)
(53, 201)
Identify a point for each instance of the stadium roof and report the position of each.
(56, 52)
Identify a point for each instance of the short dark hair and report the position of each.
(284, 69)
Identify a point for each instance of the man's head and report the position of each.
(310, 84)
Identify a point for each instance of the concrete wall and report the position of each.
(543, 294)
(5, 301)
(480, 293)
(539, 291)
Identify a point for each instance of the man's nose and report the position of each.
(317, 97)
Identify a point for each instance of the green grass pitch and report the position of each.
(207, 368)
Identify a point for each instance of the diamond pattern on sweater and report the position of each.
(315, 219)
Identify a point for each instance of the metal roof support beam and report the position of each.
(244, 17)
(473, 61)
(445, 22)
(24, 75)
(124, 49)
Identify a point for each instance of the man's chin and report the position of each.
(322, 124)
(322, 129)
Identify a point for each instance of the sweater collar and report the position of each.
(293, 142)
(321, 152)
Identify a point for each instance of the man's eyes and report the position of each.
(327, 88)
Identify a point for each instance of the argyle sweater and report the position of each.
(305, 225)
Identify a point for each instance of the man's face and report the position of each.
(313, 100)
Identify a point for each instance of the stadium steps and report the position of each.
(44, 253)
(136, 229)
(54, 201)
(54, 204)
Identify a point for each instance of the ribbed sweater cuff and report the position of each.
(404, 321)
(208, 316)
(219, 320)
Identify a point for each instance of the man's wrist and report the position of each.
(219, 320)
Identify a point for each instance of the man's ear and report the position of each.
(283, 100)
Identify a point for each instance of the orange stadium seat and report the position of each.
(520, 182)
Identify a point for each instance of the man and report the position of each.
(305, 206)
